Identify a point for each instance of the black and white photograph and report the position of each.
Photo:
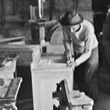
(54, 55)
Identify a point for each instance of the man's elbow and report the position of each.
(88, 54)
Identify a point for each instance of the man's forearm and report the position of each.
(67, 45)
(67, 53)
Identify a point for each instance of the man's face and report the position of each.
(74, 27)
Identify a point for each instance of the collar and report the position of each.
(78, 28)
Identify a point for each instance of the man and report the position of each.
(81, 51)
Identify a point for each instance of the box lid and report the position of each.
(50, 62)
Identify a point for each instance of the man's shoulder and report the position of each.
(87, 23)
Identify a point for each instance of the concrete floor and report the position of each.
(103, 103)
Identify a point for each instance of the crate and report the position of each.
(50, 70)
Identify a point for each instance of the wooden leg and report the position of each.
(11, 106)
(15, 108)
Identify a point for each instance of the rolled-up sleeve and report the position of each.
(88, 39)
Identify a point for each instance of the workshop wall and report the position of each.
(14, 14)
(59, 7)
(13, 7)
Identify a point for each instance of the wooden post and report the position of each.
(2, 13)
(14, 6)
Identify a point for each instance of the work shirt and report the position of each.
(83, 40)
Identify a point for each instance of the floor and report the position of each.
(103, 103)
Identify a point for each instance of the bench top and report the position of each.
(9, 89)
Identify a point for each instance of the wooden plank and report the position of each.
(9, 90)
(14, 87)
(11, 47)
(6, 100)
(4, 88)
(13, 39)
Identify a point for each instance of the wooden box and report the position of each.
(45, 75)
(26, 53)
(8, 71)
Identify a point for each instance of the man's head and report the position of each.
(71, 18)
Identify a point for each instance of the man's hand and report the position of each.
(71, 64)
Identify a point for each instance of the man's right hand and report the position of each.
(70, 61)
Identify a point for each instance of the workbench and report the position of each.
(8, 70)
(8, 93)
(50, 70)
(26, 53)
